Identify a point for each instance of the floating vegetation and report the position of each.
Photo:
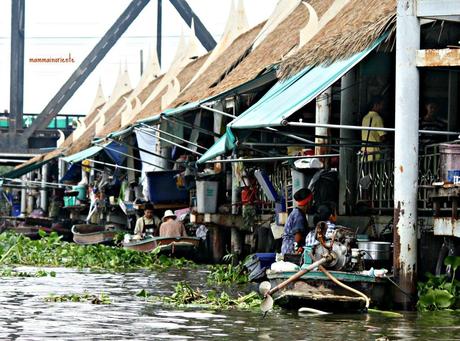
(228, 273)
(13, 273)
(185, 296)
(85, 298)
(50, 250)
(440, 292)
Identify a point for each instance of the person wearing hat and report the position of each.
(171, 227)
(296, 222)
(146, 224)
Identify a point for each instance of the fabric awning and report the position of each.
(290, 95)
(216, 150)
(18, 172)
(84, 154)
(285, 98)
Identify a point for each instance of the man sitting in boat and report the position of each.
(171, 227)
(147, 224)
(326, 212)
(297, 220)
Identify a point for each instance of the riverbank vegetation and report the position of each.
(440, 292)
(50, 250)
(185, 296)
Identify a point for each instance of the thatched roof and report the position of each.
(354, 29)
(184, 77)
(199, 89)
(144, 94)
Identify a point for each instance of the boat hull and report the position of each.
(315, 290)
(92, 234)
(171, 246)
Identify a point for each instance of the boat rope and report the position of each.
(397, 286)
(336, 281)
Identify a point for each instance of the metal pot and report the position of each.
(376, 250)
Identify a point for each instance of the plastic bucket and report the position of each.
(81, 192)
(450, 162)
(206, 195)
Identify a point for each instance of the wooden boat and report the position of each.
(315, 290)
(87, 234)
(173, 246)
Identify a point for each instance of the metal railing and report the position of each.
(64, 122)
(375, 178)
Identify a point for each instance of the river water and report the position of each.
(24, 315)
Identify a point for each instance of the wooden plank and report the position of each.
(437, 58)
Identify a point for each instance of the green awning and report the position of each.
(18, 172)
(84, 154)
(290, 95)
(216, 150)
(121, 133)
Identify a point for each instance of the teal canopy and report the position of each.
(20, 171)
(216, 150)
(285, 98)
(290, 95)
(84, 154)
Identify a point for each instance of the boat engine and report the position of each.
(342, 247)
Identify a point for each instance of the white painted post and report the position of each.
(24, 196)
(323, 110)
(43, 191)
(348, 112)
(406, 150)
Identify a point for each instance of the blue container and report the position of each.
(16, 210)
(266, 259)
(162, 188)
(453, 176)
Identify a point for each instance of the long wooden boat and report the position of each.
(315, 290)
(87, 234)
(173, 246)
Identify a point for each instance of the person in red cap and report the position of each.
(297, 220)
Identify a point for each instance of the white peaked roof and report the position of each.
(151, 72)
(122, 86)
(282, 10)
(171, 94)
(314, 25)
(184, 55)
(99, 99)
(237, 23)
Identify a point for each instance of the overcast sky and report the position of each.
(57, 28)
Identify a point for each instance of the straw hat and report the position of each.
(168, 214)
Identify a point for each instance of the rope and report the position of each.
(336, 281)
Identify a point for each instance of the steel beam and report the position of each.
(406, 152)
(159, 28)
(201, 32)
(17, 65)
(86, 67)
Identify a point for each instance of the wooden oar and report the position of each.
(267, 302)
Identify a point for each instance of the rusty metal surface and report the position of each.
(446, 226)
(434, 58)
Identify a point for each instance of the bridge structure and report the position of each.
(33, 134)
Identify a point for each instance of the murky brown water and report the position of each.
(25, 316)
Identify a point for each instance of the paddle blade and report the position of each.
(264, 288)
(267, 304)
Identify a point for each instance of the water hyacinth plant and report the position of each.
(7, 272)
(440, 292)
(50, 250)
(185, 296)
(85, 298)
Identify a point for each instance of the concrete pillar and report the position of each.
(349, 108)
(406, 151)
(43, 191)
(61, 169)
(30, 197)
(24, 196)
(323, 112)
